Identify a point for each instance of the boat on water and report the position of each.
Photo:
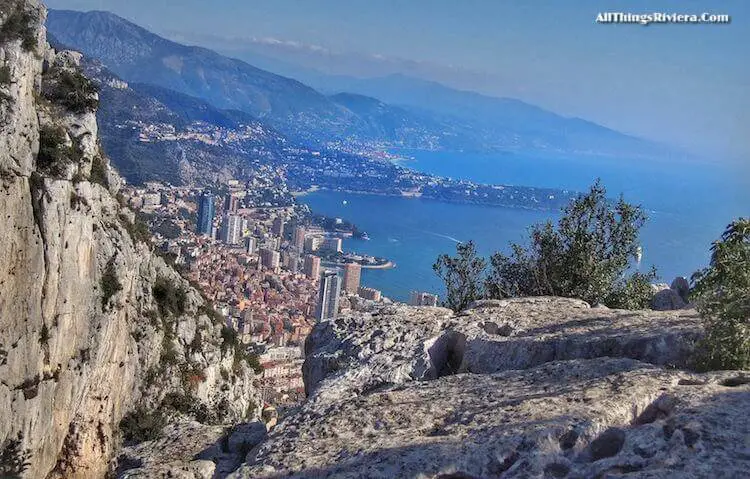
(639, 254)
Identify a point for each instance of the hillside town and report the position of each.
(270, 267)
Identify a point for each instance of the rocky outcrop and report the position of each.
(92, 324)
(538, 387)
(398, 343)
(671, 297)
(191, 450)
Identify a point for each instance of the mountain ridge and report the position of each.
(438, 117)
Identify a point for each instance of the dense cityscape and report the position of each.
(270, 266)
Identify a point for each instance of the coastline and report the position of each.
(422, 197)
(387, 265)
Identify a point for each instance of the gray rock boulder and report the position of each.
(667, 300)
(682, 286)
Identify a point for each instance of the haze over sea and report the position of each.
(688, 204)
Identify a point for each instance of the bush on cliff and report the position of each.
(54, 153)
(170, 298)
(73, 91)
(110, 283)
(722, 294)
(142, 424)
(18, 24)
(586, 256)
(14, 459)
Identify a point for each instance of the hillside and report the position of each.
(152, 133)
(412, 113)
(137, 55)
(99, 338)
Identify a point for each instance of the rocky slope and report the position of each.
(542, 387)
(93, 326)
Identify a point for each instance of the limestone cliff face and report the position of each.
(89, 328)
(533, 387)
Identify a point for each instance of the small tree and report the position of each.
(463, 276)
(585, 256)
(722, 293)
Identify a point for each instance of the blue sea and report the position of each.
(688, 202)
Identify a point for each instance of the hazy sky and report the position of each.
(687, 85)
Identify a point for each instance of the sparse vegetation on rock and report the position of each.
(55, 154)
(722, 294)
(70, 89)
(99, 171)
(18, 24)
(137, 229)
(170, 298)
(14, 459)
(5, 75)
(142, 424)
(109, 283)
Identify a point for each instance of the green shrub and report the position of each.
(722, 294)
(109, 282)
(54, 153)
(188, 405)
(99, 172)
(142, 425)
(72, 90)
(14, 460)
(462, 275)
(170, 299)
(586, 256)
(20, 24)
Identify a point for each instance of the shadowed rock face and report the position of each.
(540, 387)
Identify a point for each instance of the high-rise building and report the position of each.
(231, 203)
(312, 266)
(370, 293)
(278, 227)
(206, 211)
(298, 238)
(352, 273)
(251, 244)
(333, 245)
(291, 261)
(269, 259)
(231, 229)
(312, 243)
(421, 298)
(328, 296)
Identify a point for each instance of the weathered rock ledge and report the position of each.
(540, 387)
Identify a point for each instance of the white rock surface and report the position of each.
(70, 365)
(537, 387)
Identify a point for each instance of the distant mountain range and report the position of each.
(393, 111)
